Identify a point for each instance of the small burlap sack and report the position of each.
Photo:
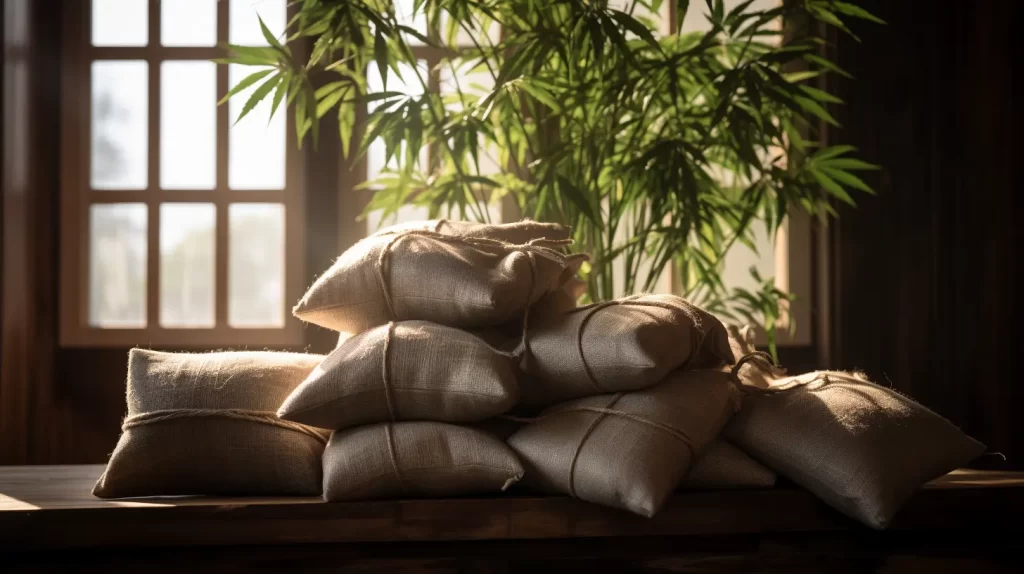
(620, 345)
(413, 370)
(517, 233)
(722, 465)
(205, 424)
(861, 448)
(423, 275)
(626, 450)
(415, 459)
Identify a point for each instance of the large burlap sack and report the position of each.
(722, 465)
(861, 448)
(422, 275)
(412, 370)
(517, 233)
(414, 459)
(205, 424)
(626, 450)
(620, 345)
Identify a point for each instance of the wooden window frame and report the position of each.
(77, 196)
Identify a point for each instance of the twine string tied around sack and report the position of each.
(255, 416)
(633, 300)
(607, 410)
(388, 428)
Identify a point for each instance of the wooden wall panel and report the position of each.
(31, 410)
(927, 272)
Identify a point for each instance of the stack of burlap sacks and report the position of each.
(464, 367)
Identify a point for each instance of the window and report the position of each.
(788, 258)
(179, 227)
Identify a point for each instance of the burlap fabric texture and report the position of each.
(412, 370)
(722, 465)
(626, 450)
(862, 448)
(458, 281)
(518, 232)
(416, 459)
(620, 345)
(206, 424)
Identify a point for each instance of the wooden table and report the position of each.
(48, 518)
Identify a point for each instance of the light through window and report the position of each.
(181, 222)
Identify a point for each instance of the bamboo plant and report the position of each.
(662, 151)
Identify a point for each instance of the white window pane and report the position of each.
(408, 84)
(188, 22)
(256, 149)
(740, 258)
(244, 25)
(120, 22)
(187, 273)
(404, 11)
(256, 265)
(117, 265)
(188, 125)
(119, 124)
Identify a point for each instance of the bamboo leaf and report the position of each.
(330, 100)
(245, 83)
(634, 26)
(279, 93)
(816, 109)
(541, 95)
(856, 11)
(380, 55)
(577, 197)
(820, 95)
(847, 179)
(257, 96)
(827, 65)
(268, 36)
(346, 125)
(849, 163)
(831, 186)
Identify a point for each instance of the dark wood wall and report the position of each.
(927, 273)
(924, 274)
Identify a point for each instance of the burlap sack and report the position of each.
(415, 459)
(517, 233)
(205, 424)
(626, 450)
(861, 448)
(620, 345)
(422, 275)
(722, 465)
(411, 370)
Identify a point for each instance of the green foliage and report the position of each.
(656, 150)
